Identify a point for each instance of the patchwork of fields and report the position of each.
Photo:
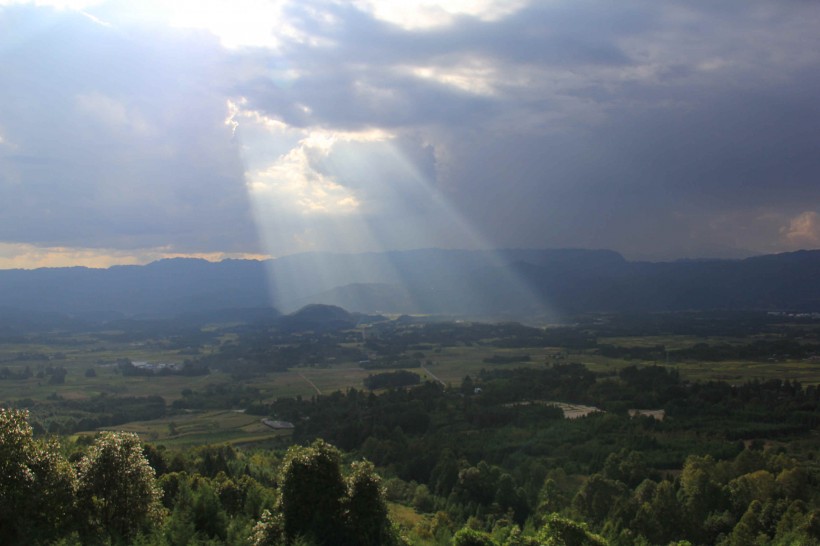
(91, 372)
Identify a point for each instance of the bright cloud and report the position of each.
(425, 14)
(480, 78)
(803, 230)
(59, 4)
(24, 256)
(239, 23)
(291, 179)
(294, 184)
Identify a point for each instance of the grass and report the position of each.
(404, 516)
(452, 364)
(207, 427)
(807, 373)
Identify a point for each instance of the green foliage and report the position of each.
(423, 501)
(748, 531)
(626, 466)
(560, 531)
(702, 494)
(209, 516)
(400, 378)
(312, 489)
(117, 491)
(471, 537)
(478, 484)
(658, 512)
(318, 506)
(494, 453)
(269, 530)
(445, 474)
(754, 486)
(551, 498)
(365, 515)
(597, 497)
(37, 484)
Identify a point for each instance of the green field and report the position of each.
(217, 427)
(448, 364)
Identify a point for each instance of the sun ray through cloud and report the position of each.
(355, 191)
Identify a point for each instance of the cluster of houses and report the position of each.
(156, 366)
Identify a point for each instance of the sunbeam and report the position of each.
(318, 193)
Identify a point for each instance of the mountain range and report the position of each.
(495, 285)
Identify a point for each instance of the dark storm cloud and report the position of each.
(660, 128)
(350, 80)
(542, 33)
(353, 99)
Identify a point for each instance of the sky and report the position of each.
(133, 131)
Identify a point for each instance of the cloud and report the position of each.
(658, 129)
(118, 138)
(414, 15)
(803, 230)
(25, 256)
(109, 112)
(344, 190)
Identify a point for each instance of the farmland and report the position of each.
(502, 425)
(54, 373)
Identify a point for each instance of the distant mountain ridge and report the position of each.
(505, 284)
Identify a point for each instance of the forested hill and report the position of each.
(513, 284)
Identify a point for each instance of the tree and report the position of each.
(365, 509)
(701, 493)
(550, 498)
(208, 514)
(626, 466)
(445, 474)
(269, 530)
(510, 497)
(422, 499)
(658, 514)
(794, 483)
(747, 532)
(478, 483)
(312, 490)
(37, 485)
(759, 485)
(318, 506)
(597, 497)
(117, 487)
(471, 537)
(560, 531)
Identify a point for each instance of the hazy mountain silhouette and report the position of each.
(503, 284)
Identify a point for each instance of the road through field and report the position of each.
(312, 384)
(431, 374)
